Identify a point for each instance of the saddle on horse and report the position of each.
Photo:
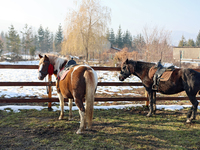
(160, 73)
(63, 72)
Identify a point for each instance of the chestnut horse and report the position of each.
(187, 80)
(79, 84)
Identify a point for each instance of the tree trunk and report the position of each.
(86, 50)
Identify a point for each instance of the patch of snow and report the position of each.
(30, 75)
(17, 108)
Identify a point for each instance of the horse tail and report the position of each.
(91, 85)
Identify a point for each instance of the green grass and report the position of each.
(112, 129)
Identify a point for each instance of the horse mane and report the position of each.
(140, 65)
(57, 62)
(55, 59)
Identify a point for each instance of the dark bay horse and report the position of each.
(79, 84)
(187, 80)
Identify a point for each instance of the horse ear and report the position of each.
(127, 61)
(45, 57)
(40, 56)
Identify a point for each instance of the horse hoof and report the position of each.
(79, 131)
(188, 120)
(60, 118)
(89, 128)
(149, 115)
(70, 119)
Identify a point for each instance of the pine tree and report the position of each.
(27, 38)
(13, 40)
(1, 46)
(5, 41)
(32, 51)
(190, 43)
(119, 40)
(2, 36)
(198, 40)
(112, 37)
(59, 38)
(47, 42)
(51, 42)
(127, 39)
(35, 41)
(1, 42)
(182, 42)
(41, 39)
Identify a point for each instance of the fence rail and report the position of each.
(54, 83)
(50, 99)
(42, 100)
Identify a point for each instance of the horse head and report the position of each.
(126, 70)
(44, 67)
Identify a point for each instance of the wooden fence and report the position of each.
(50, 83)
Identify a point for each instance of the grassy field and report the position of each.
(112, 129)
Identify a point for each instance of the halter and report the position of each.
(125, 74)
(48, 69)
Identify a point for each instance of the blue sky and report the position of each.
(181, 17)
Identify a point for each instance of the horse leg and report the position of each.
(80, 105)
(191, 115)
(61, 99)
(70, 108)
(151, 104)
(154, 102)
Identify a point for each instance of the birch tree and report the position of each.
(85, 28)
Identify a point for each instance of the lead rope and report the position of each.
(47, 86)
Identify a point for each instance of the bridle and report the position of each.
(47, 68)
(126, 73)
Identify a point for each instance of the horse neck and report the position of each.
(58, 64)
(142, 68)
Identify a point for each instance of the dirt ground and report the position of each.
(20, 136)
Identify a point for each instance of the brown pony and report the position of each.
(79, 84)
(187, 80)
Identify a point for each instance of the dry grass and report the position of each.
(112, 129)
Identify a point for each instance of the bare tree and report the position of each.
(85, 28)
(157, 44)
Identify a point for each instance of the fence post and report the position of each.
(49, 94)
(146, 102)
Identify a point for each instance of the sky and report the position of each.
(180, 17)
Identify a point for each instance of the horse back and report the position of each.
(75, 81)
(181, 80)
(191, 76)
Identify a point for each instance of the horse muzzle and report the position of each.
(41, 76)
(121, 78)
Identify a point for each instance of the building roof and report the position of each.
(115, 48)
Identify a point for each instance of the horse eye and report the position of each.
(124, 67)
